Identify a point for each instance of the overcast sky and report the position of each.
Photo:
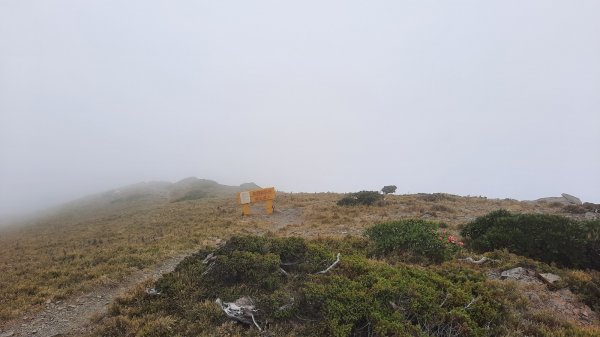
(496, 98)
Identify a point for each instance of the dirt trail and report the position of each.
(72, 316)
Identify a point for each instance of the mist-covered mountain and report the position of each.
(139, 197)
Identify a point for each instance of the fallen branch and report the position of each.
(445, 299)
(284, 272)
(337, 260)
(480, 261)
(256, 324)
(209, 258)
(209, 268)
(242, 310)
(289, 263)
(475, 299)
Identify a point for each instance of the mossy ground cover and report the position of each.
(366, 294)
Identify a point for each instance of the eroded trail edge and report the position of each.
(72, 317)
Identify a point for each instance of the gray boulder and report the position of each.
(572, 199)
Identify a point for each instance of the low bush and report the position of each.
(360, 198)
(419, 240)
(360, 297)
(586, 286)
(549, 238)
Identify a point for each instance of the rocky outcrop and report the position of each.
(565, 199)
(572, 199)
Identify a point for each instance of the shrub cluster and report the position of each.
(359, 297)
(549, 238)
(418, 240)
(360, 198)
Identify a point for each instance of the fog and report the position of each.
(494, 98)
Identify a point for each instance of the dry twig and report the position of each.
(337, 260)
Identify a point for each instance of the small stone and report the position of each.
(48, 301)
(72, 306)
(515, 273)
(34, 331)
(549, 278)
(99, 296)
(7, 334)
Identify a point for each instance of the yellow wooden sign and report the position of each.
(264, 194)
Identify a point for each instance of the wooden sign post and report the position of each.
(266, 195)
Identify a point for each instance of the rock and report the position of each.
(572, 199)
(591, 216)
(518, 273)
(7, 334)
(152, 292)
(549, 278)
(551, 200)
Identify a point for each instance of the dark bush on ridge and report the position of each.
(549, 238)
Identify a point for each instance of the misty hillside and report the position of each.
(146, 195)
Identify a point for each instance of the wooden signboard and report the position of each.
(266, 195)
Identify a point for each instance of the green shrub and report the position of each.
(360, 198)
(586, 286)
(418, 239)
(549, 238)
(359, 297)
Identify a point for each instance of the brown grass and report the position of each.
(66, 254)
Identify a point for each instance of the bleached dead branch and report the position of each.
(337, 260)
(475, 299)
(242, 310)
(480, 261)
(209, 258)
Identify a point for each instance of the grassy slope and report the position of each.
(87, 245)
